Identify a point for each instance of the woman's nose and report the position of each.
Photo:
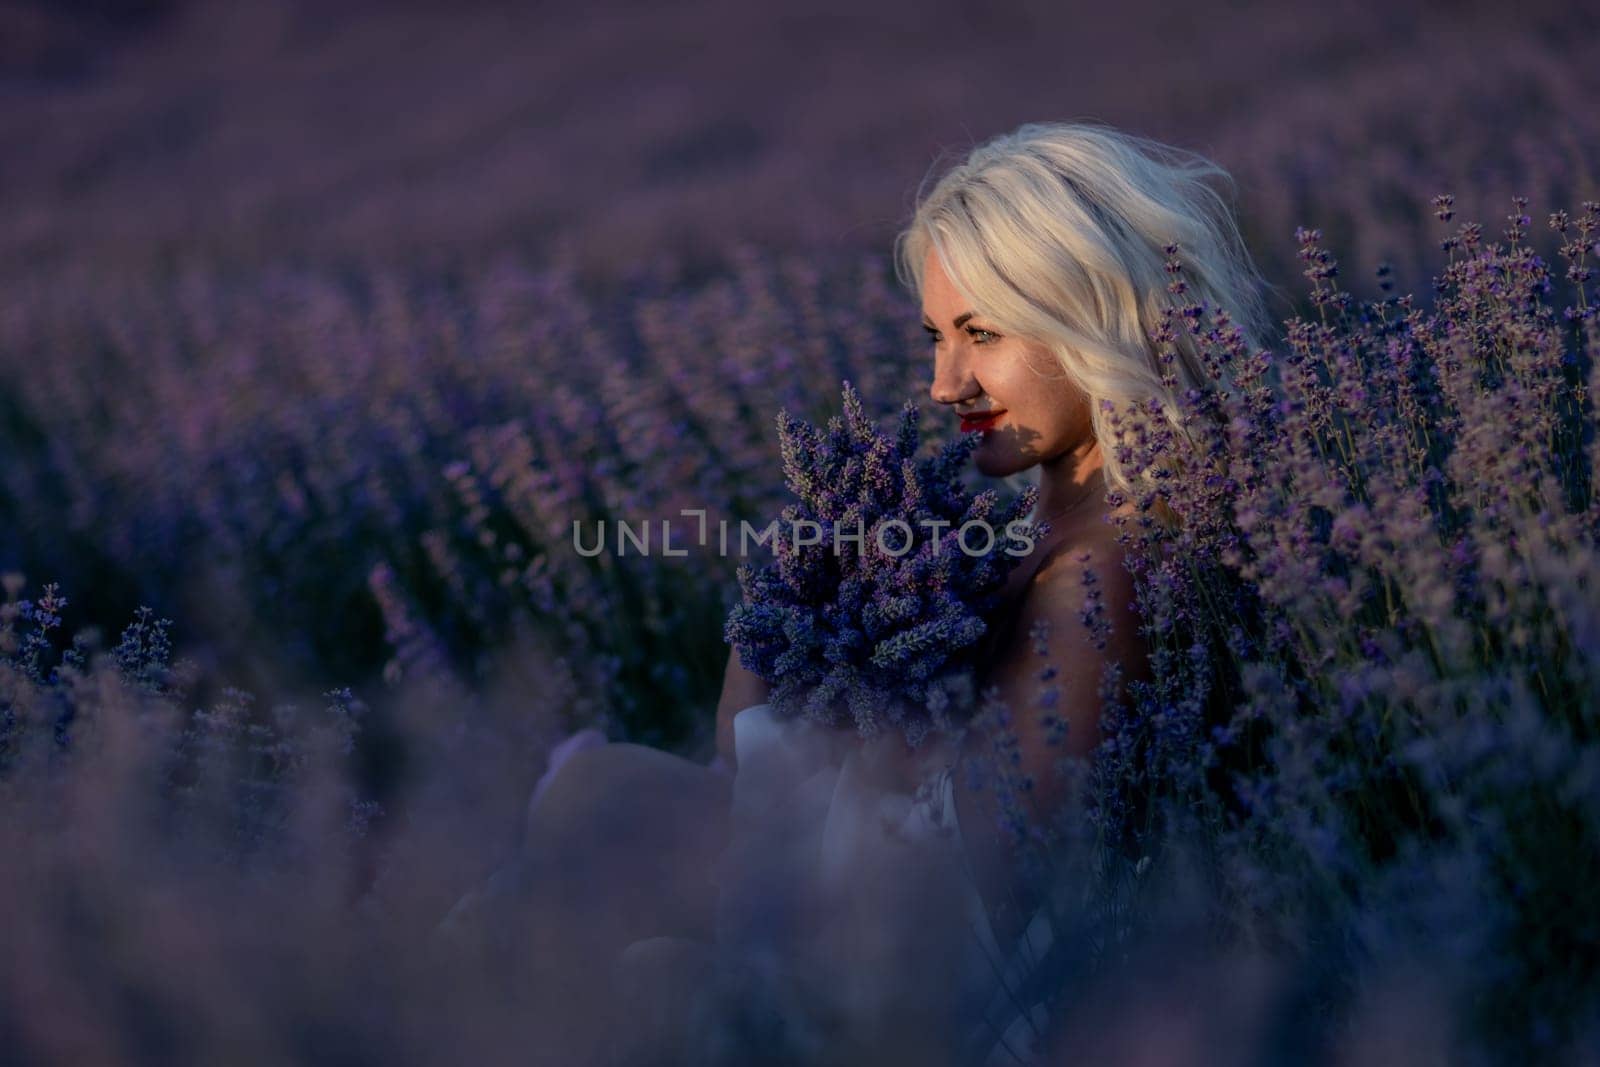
(953, 382)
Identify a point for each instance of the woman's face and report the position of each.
(1031, 413)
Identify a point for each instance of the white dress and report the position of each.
(847, 872)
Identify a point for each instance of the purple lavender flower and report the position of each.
(886, 626)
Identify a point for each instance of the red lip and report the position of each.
(977, 422)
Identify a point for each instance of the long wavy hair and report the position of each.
(1058, 232)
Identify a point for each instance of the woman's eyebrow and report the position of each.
(959, 319)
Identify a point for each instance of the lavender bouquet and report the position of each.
(885, 569)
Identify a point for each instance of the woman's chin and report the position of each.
(993, 461)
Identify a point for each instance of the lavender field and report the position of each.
(320, 327)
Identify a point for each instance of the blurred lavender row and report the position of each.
(246, 133)
(304, 469)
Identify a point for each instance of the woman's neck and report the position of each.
(1070, 482)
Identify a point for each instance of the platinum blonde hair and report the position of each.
(1058, 233)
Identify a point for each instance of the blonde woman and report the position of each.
(1039, 264)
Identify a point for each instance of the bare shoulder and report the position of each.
(1082, 599)
(1089, 561)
